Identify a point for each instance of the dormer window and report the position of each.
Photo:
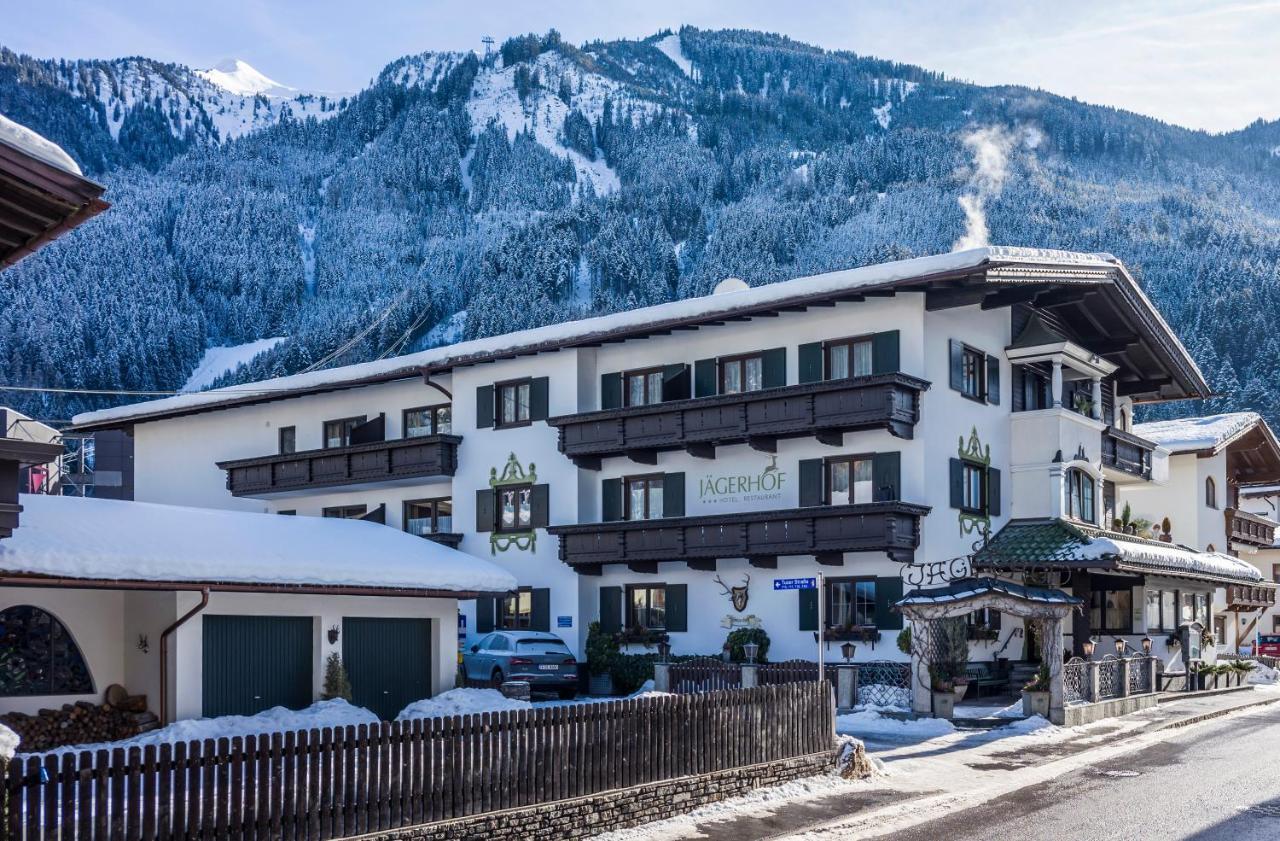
(1080, 496)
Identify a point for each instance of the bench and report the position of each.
(982, 675)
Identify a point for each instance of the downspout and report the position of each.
(164, 653)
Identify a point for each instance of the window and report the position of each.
(1210, 493)
(742, 373)
(515, 508)
(849, 480)
(848, 358)
(288, 440)
(644, 497)
(513, 403)
(1124, 424)
(428, 516)
(647, 607)
(974, 478)
(1080, 496)
(291, 512)
(428, 420)
(851, 603)
(1275, 624)
(972, 365)
(39, 657)
(1275, 572)
(1186, 608)
(345, 512)
(1111, 611)
(337, 433)
(983, 618)
(1035, 389)
(642, 388)
(515, 610)
(1201, 606)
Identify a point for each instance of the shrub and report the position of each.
(904, 640)
(336, 682)
(602, 650)
(739, 637)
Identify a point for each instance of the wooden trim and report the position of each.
(627, 616)
(377, 461)
(518, 528)
(647, 478)
(17, 579)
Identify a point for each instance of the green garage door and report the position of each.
(388, 662)
(253, 663)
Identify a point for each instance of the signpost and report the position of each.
(810, 584)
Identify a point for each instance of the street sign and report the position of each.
(795, 583)
(564, 621)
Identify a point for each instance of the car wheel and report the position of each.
(568, 694)
(496, 680)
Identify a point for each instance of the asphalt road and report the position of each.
(1220, 780)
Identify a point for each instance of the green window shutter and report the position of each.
(808, 609)
(957, 365)
(704, 378)
(484, 510)
(611, 391)
(885, 358)
(611, 609)
(541, 618)
(993, 492)
(675, 382)
(993, 380)
(886, 476)
(957, 483)
(673, 495)
(539, 398)
(888, 593)
(610, 500)
(677, 607)
(810, 359)
(773, 363)
(486, 609)
(540, 506)
(484, 407)
(812, 484)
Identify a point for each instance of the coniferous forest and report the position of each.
(460, 196)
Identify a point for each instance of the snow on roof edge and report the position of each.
(1206, 432)
(37, 146)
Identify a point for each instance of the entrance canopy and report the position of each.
(966, 595)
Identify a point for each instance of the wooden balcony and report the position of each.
(825, 410)
(447, 538)
(1250, 529)
(825, 532)
(1127, 453)
(358, 464)
(1244, 598)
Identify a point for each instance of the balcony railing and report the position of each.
(1127, 453)
(1249, 597)
(1250, 529)
(379, 461)
(825, 532)
(825, 410)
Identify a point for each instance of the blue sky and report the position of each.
(1200, 64)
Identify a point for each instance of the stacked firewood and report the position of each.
(119, 717)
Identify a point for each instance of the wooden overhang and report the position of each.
(1097, 305)
(823, 531)
(1127, 453)
(22, 579)
(1250, 529)
(823, 410)
(40, 202)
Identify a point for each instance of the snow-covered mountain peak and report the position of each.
(240, 77)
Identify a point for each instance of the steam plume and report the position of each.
(990, 148)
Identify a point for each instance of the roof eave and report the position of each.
(26, 579)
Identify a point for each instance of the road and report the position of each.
(1219, 780)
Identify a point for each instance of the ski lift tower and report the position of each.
(488, 45)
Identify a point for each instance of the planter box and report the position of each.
(1035, 703)
(600, 685)
(944, 704)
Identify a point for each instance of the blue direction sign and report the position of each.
(795, 583)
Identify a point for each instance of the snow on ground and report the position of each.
(870, 723)
(240, 77)
(223, 359)
(446, 332)
(37, 146)
(461, 702)
(1264, 675)
(670, 47)
(893, 87)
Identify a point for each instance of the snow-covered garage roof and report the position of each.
(174, 547)
(1208, 433)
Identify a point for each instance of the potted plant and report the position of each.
(602, 651)
(1035, 695)
(1166, 531)
(739, 637)
(944, 694)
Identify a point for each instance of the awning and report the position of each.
(1057, 544)
(964, 589)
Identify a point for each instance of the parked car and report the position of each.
(1269, 645)
(538, 657)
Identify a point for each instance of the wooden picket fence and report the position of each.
(338, 782)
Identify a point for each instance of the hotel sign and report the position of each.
(764, 486)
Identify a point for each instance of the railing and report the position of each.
(1127, 453)
(1140, 675)
(1251, 529)
(825, 531)
(1248, 597)
(821, 409)
(1088, 682)
(1075, 681)
(378, 461)
(885, 683)
(704, 675)
(341, 782)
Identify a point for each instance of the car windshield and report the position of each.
(1269, 639)
(531, 646)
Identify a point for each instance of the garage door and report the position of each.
(388, 662)
(253, 663)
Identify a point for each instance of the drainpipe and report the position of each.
(164, 653)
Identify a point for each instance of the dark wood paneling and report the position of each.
(405, 458)
(1127, 453)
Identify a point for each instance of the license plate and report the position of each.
(549, 667)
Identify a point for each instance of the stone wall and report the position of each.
(583, 817)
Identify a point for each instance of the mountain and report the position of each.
(460, 196)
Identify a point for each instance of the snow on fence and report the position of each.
(337, 782)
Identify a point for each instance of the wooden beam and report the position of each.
(764, 561)
(1125, 388)
(649, 457)
(586, 462)
(830, 437)
(763, 444)
(1009, 297)
(645, 567)
(1059, 297)
(830, 559)
(700, 449)
(702, 564)
(943, 299)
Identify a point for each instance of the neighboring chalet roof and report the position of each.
(1057, 544)
(42, 193)
(1092, 294)
(83, 542)
(967, 588)
(1253, 453)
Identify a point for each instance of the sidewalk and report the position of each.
(950, 772)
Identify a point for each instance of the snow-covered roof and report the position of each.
(616, 324)
(1212, 432)
(42, 149)
(111, 540)
(1260, 490)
